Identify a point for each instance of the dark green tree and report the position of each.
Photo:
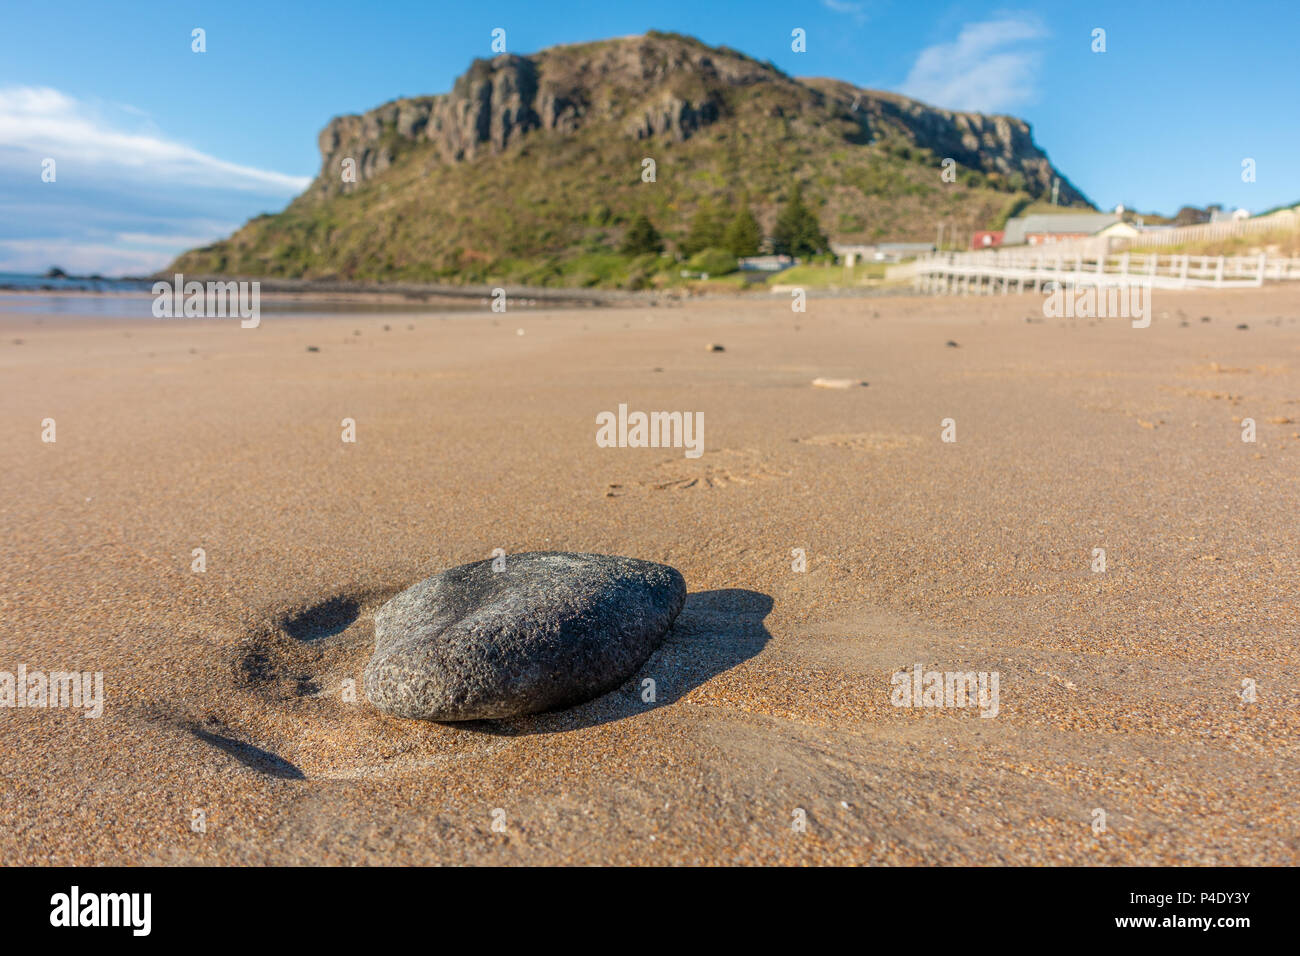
(797, 232)
(706, 230)
(743, 236)
(641, 238)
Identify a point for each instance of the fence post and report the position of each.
(1218, 272)
(1263, 264)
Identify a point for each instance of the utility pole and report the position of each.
(1056, 189)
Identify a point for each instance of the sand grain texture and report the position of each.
(226, 690)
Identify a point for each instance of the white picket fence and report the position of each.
(997, 270)
(1284, 221)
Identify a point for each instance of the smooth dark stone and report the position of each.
(551, 630)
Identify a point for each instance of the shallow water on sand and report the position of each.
(123, 305)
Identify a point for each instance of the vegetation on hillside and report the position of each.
(780, 161)
(797, 231)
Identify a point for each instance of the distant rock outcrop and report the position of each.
(530, 161)
(498, 101)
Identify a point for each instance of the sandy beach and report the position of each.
(227, 733)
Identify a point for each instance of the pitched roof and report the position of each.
(1085, 222)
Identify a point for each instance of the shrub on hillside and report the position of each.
(743, 236)
(641, 237)
(706, 230)
(797, 232)
(715, 262)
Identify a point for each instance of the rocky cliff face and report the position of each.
(993, 144)
(651, 86)
(530, 169)
(492, 104)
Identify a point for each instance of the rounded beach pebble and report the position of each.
(548, 630)
(837, 382)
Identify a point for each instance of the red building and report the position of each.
(1047, 238)
(986, 239)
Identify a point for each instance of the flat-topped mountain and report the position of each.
(533, 168)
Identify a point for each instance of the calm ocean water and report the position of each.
(19, 280)
(121, 298)
(133, 299)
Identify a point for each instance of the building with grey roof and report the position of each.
(1050, 227)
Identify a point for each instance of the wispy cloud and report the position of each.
(82, 258)
(858, 11)
(126, 197)
(45, 121)
(991, 67)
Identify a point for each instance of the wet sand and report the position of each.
(1120, 691)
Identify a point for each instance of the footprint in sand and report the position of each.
(726, 468)
(731, 467)
(1230, 397)
(864, 441)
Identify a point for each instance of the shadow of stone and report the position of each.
(323, 620)
(715, 631)
(255, 758)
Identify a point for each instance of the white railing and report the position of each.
(1210, 231)
(997, 270)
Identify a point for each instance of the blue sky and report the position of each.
(158, 148)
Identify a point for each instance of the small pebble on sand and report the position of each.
(837, 383)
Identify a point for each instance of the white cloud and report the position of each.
(81, 258)
(858, 11)
(126, 198)
(169, 241)
(44, 121)
(989, 68)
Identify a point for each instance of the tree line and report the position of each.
(796, 232)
